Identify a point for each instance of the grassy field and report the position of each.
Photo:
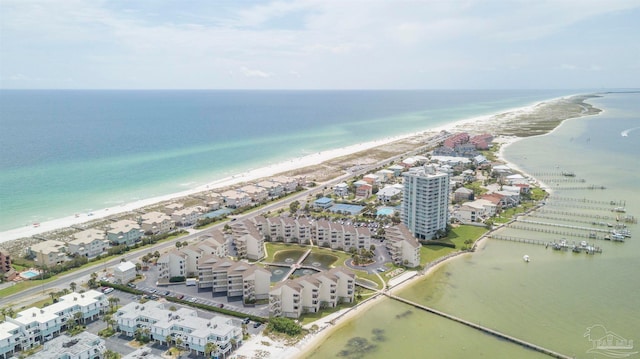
(457, 236)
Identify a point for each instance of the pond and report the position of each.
(304, 271)
(319, 260)
(277, 273)
(288, 256)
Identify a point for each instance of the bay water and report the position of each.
(551, 301)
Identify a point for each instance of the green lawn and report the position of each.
(457, 236)
(273, 248)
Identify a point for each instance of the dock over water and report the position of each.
(479, 327)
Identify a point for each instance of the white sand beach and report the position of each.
(475, 123)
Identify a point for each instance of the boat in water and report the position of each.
(526, 258)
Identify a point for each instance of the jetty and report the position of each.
(481, 328)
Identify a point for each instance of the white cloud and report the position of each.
(254, 73)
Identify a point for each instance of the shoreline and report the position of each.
(467, 124)
(313, 340)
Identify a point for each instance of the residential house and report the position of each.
(6, 270)
(389, 194)
(364, 191)
(125, 272)
(341, 189)
(88, 243)
(457, 139)
(462, 194)
(385, 175)
(49, 253)
(371, 179)
(157, 223)
(396, 169)
(124, 232)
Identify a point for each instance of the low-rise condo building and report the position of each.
(310, 293)
(157, 223)
(124, 232)
(403, 247)
(89, 243)
(182, 325)
(49, 252)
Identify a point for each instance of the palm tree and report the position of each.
(73, 286)
(168, 340)
(3, 311)
(113, 301)
(209, 348)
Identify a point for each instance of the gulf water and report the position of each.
(550, 301)
(66, 152)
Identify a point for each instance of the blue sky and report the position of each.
(319, 44)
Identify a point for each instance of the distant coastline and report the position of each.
(543, 116)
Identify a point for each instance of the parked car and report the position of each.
(131, 285)
(257, 324)
(246, 321)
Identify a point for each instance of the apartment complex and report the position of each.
(425, 201)
(233, 279)
(322, 232)
(310, 293)
(184, 324)
(34, 326)
(403, 247)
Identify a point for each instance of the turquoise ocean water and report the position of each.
(551, 301)
(66, 152)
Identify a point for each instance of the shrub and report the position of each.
(285, 325)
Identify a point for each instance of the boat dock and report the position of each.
(564, 226)
(481, 328)
(560, 245)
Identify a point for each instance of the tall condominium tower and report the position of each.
(425, 201)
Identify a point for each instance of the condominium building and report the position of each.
(125, 232)
(171, 264)
(236, 199)
(88, 243)
(83, 345)
(34, 326)
(249, 242)
(234, 279)
(257, 194)
(183, 326)
(403, 247)
(425, 201)
(310, 293)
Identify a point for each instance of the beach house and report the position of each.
(49, 253)
(462, 194)
(275, 189)
(289, 184)
(156, 223)
(186, 216)
(236, 199)
(124, 232)
(182, 325)
(341, 189)
(88, 243)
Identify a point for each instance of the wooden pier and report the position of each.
(515, 225)
(564, 226)
(519, 239)
(481, 328)
(591, 201)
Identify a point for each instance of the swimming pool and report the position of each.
(385, 211)
(29, 274)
